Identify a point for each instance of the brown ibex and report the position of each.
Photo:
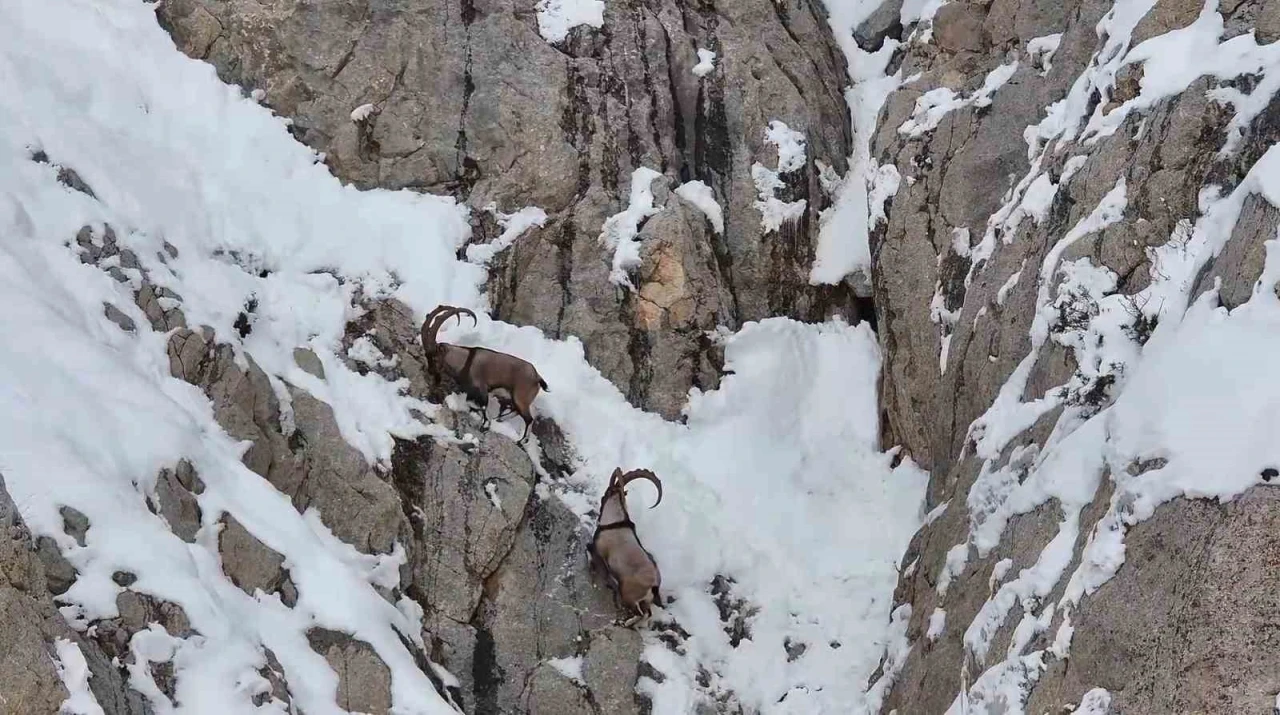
(632, 571)
(479, 370)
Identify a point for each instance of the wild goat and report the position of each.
(632, 572)
(479, 370)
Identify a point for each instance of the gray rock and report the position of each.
(249, 563)
(885, 21)
(177, 504)
(364, 681)
(958, 27)
(28, 678)
(115, 315)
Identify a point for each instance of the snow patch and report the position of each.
(361, 113)
(937, 623)
(701, 196)
(621, 229)
(706, 63)
(513, 225)
(557, 17)
(570, 668)
(1042, 50)
(73, 670)
(1098, 702)
(791, 156)
(843, 239)
(937, 103)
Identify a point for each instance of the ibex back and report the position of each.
(632, 570)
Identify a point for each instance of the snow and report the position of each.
(858, 201)
(1095, 702)
(1169, 63)
(932, 106)
(621, 229)
(937, 623)
(811, 534)
(570, 668)
(1003, 294)
(790, 144)
(361, 113)
(921, 11)
(363, 350)
(1042, 50)
(74, 673)
(702, 197)
(706, 62)
(557, 17)
(513, 225)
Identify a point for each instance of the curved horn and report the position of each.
(431, 327)
(644, 474)
(459, 312)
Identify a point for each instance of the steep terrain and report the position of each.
(231, 483)
(1075, 290)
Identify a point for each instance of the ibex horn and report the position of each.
(644, 474)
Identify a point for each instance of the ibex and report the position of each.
(479, 370)
(631, 569)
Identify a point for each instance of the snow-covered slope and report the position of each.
(774, 484)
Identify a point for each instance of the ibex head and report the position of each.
(618, 487)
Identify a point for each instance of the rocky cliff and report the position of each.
(1040, 143)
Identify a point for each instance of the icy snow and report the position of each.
(620, 230)
(557, 17)
(701, 196)
(364, 351)
(790, 144)
(74, 673)
(810, 533)
(937, 622)
(706, 62)
(1096, 702)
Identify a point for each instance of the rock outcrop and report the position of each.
(1174, 630)
(29, 673)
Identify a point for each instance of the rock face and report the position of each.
(1172, 631)
(467, 98)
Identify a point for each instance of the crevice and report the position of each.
(677, 113)
(564, 251)
(650, 83)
